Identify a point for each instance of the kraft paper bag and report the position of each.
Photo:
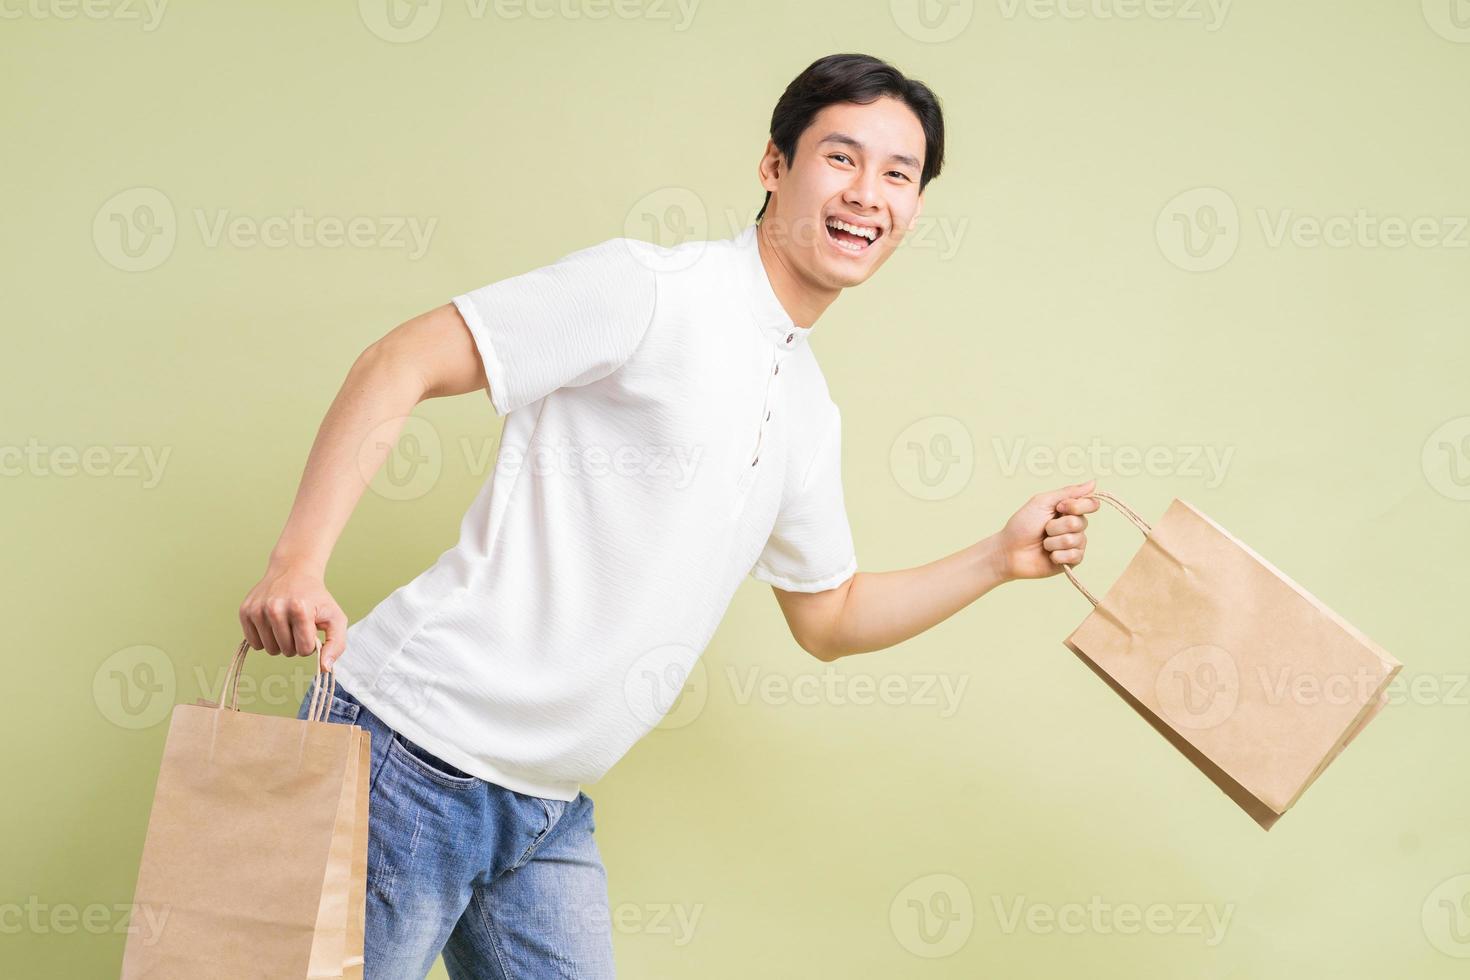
(1250, 676)
(256, 854)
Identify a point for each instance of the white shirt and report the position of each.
(667, 432)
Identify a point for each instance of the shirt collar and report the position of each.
(770, 316)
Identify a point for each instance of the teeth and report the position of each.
(870, 234)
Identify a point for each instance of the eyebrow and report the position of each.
(847, 140)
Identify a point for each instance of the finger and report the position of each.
(1083, 505)
(252, 635)
(1062, 525)
(1062, 542)
(278, 639)
(336, 628)
(303, 629)
(1072, 556)
(1054, 497)
(1078, 505)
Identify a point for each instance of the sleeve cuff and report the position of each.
(494, 371)
(822, 584)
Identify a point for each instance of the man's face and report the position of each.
(857, 165)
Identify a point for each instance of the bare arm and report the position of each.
(874, 610)
(429, 356)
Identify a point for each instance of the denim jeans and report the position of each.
(507, 886)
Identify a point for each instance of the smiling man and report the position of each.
(587, 578)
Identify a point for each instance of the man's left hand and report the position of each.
(1048, 532)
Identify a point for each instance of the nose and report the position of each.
(861, 193)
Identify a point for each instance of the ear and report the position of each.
(769, 169)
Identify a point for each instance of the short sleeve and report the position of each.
(569, 323)
(810, 548)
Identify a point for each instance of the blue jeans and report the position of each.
(507, 886)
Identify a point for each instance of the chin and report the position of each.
(844, 273)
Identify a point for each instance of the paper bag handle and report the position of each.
(321, 691)
(1127, 512)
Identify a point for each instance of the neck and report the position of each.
(802, 301)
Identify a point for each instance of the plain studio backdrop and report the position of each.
(1212, 251)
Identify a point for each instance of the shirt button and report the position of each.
(778, 369)
(789, 337)
(754, 461)
(768, 416)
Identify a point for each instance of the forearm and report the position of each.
(881, 609)
(355, 436)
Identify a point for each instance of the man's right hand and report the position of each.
(430, 356)
(286, 608)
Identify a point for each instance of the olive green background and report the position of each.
(1119, 256)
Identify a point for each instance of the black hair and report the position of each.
(856, 78)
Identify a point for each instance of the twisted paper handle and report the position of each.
(1127, 512)
(321, 691)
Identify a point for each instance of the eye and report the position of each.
(900, 173)
(834, 156)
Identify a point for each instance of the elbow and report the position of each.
(376, 358)
(820, 647)
(821, 630)
(386, 363)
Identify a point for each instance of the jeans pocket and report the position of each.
(554, 810)
(421, 761)
(591, 811)
(547, 813)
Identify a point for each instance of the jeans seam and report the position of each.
(551, 822)
(478, 900)
(373, 777)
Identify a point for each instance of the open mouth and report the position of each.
(853, 238)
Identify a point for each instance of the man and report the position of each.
(667, 433)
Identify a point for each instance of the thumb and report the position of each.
(336, 629)
(1054, 497)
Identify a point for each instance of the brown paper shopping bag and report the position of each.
(256, 854)
(1251, 677)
